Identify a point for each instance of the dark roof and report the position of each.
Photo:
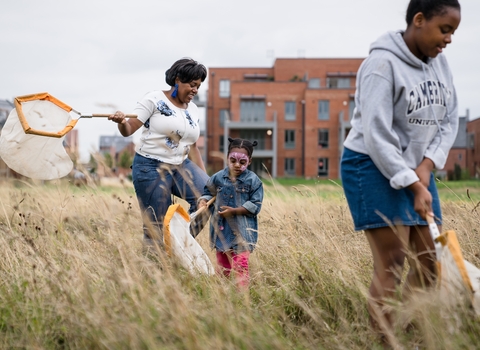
(461, 139)
(5, 108)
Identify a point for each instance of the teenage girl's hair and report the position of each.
(429, 8)
(242, 143)
(186, 70)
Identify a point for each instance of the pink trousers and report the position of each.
(228, 261)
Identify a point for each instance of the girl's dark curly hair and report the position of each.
(429, 8)
(186, 70)
(242, 143)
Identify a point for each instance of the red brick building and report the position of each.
(465, 152)
(298, 111)
(473, 148)
(458, 153)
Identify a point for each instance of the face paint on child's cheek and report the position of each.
(238, 158)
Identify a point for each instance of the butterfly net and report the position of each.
(31, 141)
(458, 279)
(181, 244)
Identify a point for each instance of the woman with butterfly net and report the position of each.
(167, 161)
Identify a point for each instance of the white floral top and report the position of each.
(168, 131)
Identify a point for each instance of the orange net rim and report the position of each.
(167, 237)
(449, 240)
(43, 96)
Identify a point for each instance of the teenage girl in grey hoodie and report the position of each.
(403, 127)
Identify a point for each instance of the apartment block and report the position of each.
(473, 148)
(298, 111)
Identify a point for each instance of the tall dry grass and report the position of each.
(74, 276)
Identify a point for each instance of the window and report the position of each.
(256, 77)
(322, 166)
(289, 139)
(223, 117)
(471, 141)
(323, 138)
(351, 108)
(338, 83)
(290, 110)
(221, 148)
(252, 110)
(224, 88)
(314, 83)
(257, 165)
(290, 166)
(323, 109)
(254, 135)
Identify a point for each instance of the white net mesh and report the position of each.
(459, 279)
(35, 156)
(474, 274)
(183, 246)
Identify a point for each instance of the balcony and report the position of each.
(264, 132)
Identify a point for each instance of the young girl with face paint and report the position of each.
(234, 223)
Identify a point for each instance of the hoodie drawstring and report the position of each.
(433, 109)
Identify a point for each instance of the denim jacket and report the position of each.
(238, 233)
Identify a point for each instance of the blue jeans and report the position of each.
(155, 182)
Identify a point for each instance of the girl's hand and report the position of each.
(227, 212)
(424, 170)
(422, 199)
(202, 203)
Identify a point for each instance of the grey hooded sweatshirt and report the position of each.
(406, 110)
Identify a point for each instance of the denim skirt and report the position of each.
(373, 202)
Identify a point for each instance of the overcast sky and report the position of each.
(102, 55)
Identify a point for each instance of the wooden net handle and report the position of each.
(106, 115)
(202, 209)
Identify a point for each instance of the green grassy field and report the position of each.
(74, 276)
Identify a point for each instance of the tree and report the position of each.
(125, 160)
(108, 160)
(457, 172)
(92, 164)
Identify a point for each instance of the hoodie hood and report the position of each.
(393, 41)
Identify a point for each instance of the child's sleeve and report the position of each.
(254, 205)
